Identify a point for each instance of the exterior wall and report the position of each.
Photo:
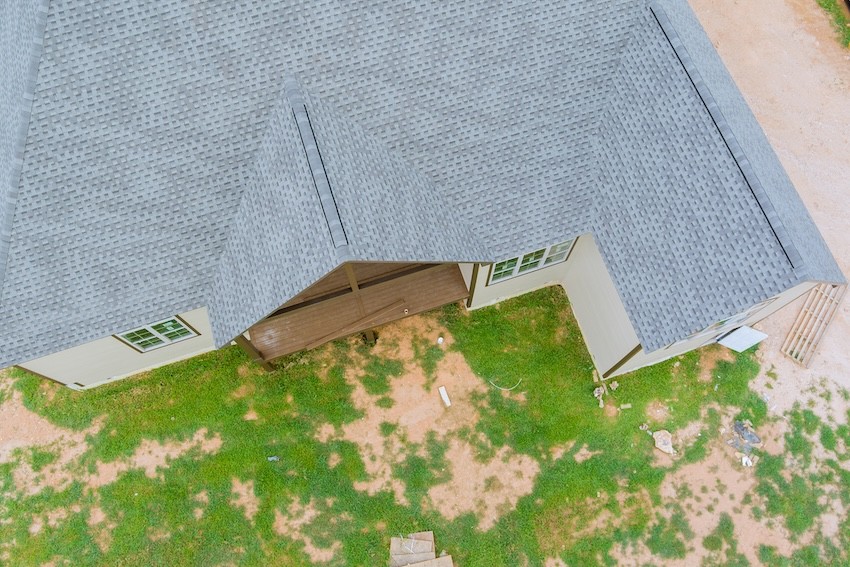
(484, 295)
(108, 359)
(466, 270)
(642, 359)
(602, 318)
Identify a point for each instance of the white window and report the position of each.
(159, 334)
(513, 267)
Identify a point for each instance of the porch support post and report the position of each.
(355, 289)
(252, 352)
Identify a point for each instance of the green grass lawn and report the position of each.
(533, 338)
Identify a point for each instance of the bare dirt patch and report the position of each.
(22, 429)
(718, 485)
(247, 388)
(584, 454)
(151, 456)
(333, 460)
(244, 497)
(100, 528)
(489, 487)
(657, 411)
(250, 415)
(292, 524)
(710, 356)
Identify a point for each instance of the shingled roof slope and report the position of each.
(21, 49)
(161, 172)
(816, 260)
(683, 237)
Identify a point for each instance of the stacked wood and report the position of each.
(417, 549)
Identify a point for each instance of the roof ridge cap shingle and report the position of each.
(330, 208)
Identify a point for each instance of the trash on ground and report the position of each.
(664, 442)
(445, 395)
(744, 440)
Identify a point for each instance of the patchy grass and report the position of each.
(376, 380)
(578, 511)
(840, 20)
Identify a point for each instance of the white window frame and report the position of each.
(166, 341)
(544, 261)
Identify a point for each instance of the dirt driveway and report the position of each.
(786, 59)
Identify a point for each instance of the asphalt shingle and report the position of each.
(164, 168)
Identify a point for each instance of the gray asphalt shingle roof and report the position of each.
(164, 168)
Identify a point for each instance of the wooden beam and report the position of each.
(473, 282)
(355, 326)
(622, 361)
(253, 353)
(355, 289)
(361, 286)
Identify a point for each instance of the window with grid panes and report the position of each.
(530, 262)
(159, 334)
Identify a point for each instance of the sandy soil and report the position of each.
(293, 525)
(786, 60)
(244, 497)
(487, 485)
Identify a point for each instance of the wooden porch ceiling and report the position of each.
(322, 317)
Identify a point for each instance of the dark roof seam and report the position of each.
(728, 136)
(14, 180)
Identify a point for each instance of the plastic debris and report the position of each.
(273, 459)
(445, 395)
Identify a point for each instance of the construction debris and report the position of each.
(598, 393)
(417, 549)
(664, 442)
(744, 439)
(625, 406)
(445, 395)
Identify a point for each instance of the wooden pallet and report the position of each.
(808, 329)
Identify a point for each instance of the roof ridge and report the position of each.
(750, 177)
(314, 159)
(26, 103)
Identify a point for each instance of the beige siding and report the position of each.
(484, 295)
(600, 313)
(645, 359)
(108, 358)
(466, 271)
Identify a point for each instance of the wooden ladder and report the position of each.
(811, 324)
